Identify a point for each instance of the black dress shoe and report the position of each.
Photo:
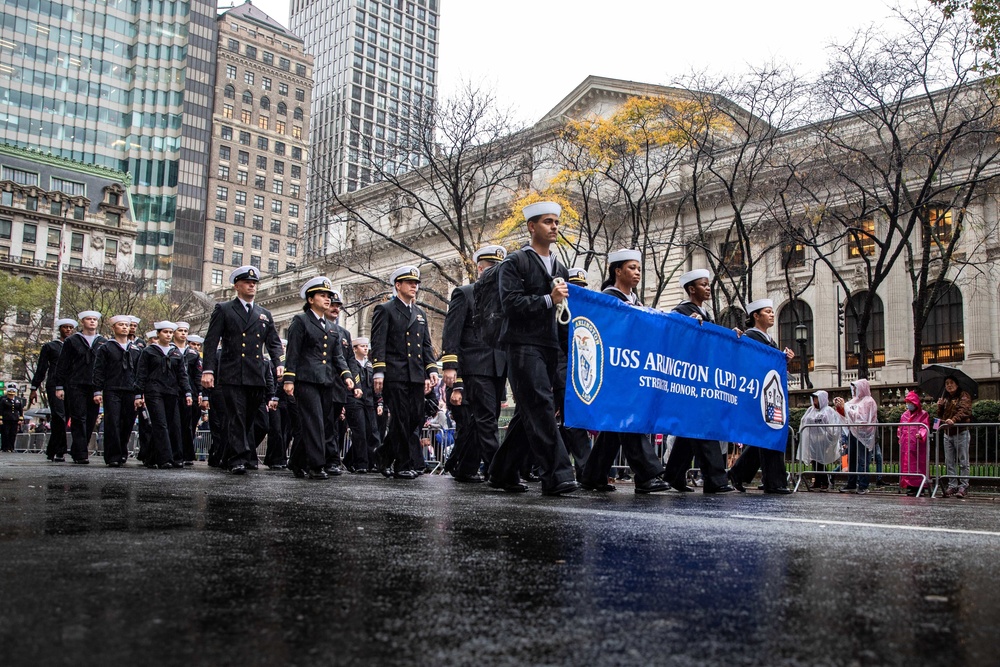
(277, 467)
(561, 489)
(509, 487)
(532, 478)
(188, 463)
(406, 474)
(252, 466)
(683, 488)
(604, 488)
(654, 485)
(59, 459)
(317, 474)
(238, 469)
(467, 479)
(333, 471)
(737, 484)
(114, 464)
(386, 472)
(298, 472)
(781, 492)
(361, 471)
(82, 462)
(720, 489)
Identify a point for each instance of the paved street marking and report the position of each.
(860, 524)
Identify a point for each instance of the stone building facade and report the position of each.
(256, 194)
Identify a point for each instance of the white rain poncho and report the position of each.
(862, 409)
(820, 443)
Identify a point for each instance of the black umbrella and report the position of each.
(38, 412)
(932, 380)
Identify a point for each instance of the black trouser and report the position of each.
(713, 465)
(821, 481)
(405, 402)
(57, 420)
(532, 377)
(276, 453)
(81, 412)
(577, 441)
(241, 403)
(217, 426)
(165, 419)
(374, 434)
(333, 435)
(639, 452)
(317, 421)
(481, 409)
(464, 431)
(189, 422)
(289, 421)
(119, 417)
(771, 463)
(8, 434)
(356, 458)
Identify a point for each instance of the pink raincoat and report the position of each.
(913, 442)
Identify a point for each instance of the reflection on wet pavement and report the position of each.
(189, 567)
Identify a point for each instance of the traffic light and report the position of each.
(840, 318)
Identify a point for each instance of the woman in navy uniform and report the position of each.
(45, 371)
(697, 285)
(336, 440)
(190, 414)
(770, 462)
(160, 379)
(246, 331)
(405, 370)
(624, 274)
(11, 417)
(114, 379)
(314, 364)
(75, 383)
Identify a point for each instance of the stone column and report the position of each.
(897, 301)
(823, 301)
(978, 301)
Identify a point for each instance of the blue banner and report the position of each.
(637, 370)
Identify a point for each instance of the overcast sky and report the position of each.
(534, 52)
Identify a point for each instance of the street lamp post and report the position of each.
(857, 357)
(802, 337)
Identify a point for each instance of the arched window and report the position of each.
(793, 314)
(734, 316)
(297, 114)
(874, 337)
(247, 97)
(943, 335)
(265, 102)
(282, 109)
(230, 93)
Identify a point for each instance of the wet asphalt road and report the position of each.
(194, 567)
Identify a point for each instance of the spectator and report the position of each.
(955, 410)
(861, 413)
(912, 438)
(820, 443)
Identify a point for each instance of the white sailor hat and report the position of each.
(66, 321)
(541, 208)
(624, 256)
(244, 273)
(405, 273)
(578, 276)
(164, 324)
(490, 253)
(692, 276)
(150, 334)
(88, 313)
(181, 325)
(135, 320)
(754, 306)
(360, 340)
(11, 386)
(193, 338)
(120, 318)
(315, 286)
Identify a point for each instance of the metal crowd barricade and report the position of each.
(886, 444)
(435, 445)
(984, 454)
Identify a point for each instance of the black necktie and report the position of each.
(249, 308)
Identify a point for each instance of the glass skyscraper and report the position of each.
(125, 84)
(375, 64)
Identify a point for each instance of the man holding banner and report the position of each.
(683, 376)
(532, 287)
